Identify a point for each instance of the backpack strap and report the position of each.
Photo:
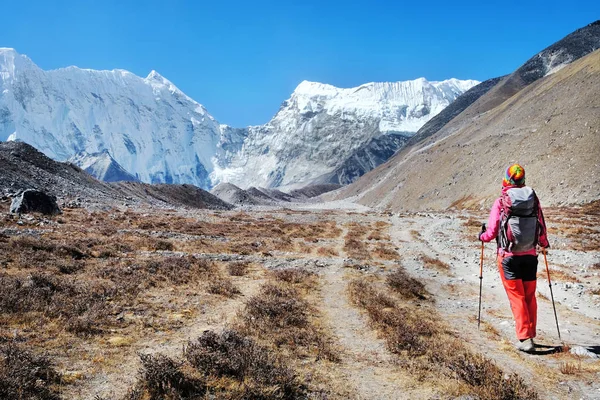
(502, 239)
(540, 224)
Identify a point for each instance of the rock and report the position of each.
(34, 201)
(583, 352)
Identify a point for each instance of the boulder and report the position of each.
(34, 201)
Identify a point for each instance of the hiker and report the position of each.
(517, 223)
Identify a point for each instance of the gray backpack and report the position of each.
(519, 220)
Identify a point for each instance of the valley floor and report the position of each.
(345, 303)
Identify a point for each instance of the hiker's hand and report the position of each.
(482, 232)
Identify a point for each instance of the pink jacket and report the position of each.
(493, 227)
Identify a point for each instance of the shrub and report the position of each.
(434, 263)
(232, 354)
(405, 285)
(179, 270)
(276, 306)
(82, 307)
(24, 375)
(486, 379)
(163, 245)
(163, 379)
(238, 268)
(220, 366)
(223, 287)
(293, 275)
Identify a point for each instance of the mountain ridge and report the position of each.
(158, 134)
(572, 47)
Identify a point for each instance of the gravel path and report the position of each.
(446, 238)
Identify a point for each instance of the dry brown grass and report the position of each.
(417, 335)
(557, 275)
(24, 375)
(473, 223)
(88, 279)
(434, 263)
(384, 251)
(223, 287)
(224, 365)
(279, 313)
(404, 331)
(296, 276)
(570, 368)
(579, 225)
(238, 268)
(327, 252)
(491, 330)
(405, 285)
(416, 235)
(354, 245)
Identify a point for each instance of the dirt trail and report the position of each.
(446, 238)
(367, 366)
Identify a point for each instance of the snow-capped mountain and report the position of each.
(151, 128)
(320, 127)
(156, 133)
(102, 166)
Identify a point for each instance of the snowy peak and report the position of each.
(399, 106)
(381, 90)
(156, 80)
(159, 83)
(102, 167)
(155, 76)
(11, 61)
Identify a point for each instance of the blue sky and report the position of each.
(241, 59)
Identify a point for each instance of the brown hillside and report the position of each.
(551, 127)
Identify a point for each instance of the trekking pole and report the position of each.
(551, 294)
(480, 279)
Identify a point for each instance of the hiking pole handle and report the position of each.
(481, 259)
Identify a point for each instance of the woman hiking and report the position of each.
(517, 223)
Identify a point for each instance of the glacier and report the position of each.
(156, 133)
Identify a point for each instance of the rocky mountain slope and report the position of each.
(551, 127)
(23, 167)
(254, 196)
(151, 130)
(572, 47)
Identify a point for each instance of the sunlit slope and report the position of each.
(551, 127)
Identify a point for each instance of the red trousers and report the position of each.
(518, 275)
